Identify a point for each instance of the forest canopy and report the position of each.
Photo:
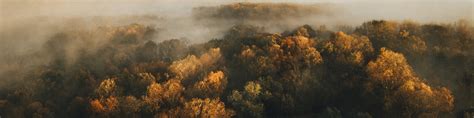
(379, 68)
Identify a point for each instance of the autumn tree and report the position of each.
(166, 95)
(107, 88)
(378, 70)
(105, 106)
(277, 60)
(192, 65)
(345, 57)
(211, 86)
(154, 98)
(347, 49)
(382, 33)
(248, 102)
(305, 30)
(205, 108)
(402, 92)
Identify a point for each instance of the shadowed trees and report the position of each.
(402, 92)
(381, 69)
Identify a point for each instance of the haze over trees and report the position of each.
(380, 68)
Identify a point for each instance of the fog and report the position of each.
(27, 24)
(177, 14)
(104, 41)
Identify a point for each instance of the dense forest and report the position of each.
(380, 68)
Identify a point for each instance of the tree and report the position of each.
(147, 52)
(381, 33)
(247, 103)
(417, 98)
(413, 46)
(211, 86)
(402, 92)
(193, 65)
(276, 60)
(390, 70)
(170, 50)
(130, 105)
(345, 57)
(131, 34)
(205, 108)
(305, 31)
(107, 88)
(154, 97)
(347, 49)
(164, 96)
(185, 67)
(105, 106)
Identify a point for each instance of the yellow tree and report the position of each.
(402, 92)
(192, 65)
(205, 108)
(105, 106)
(166, 95)
(213, 85)
(382, 33)
(347, 49)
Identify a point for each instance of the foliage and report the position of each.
(379, 69)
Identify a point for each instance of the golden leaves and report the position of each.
(169, 92)
(136, 31)
(214, 77)
(253, 88)
(418, 96)
(247, 53)
(154, 97)
(312, 57)
(347, 49)
(401, 87)
(298, 41)
(173, 90)
(357, 57)
(390, 69)
(106, 105)
(185, 67)
(206, 108)
(96, 106)
(154, 91)
(414, 45)
(107, 87)
(211, 57)
(299, 47)
(111, 103)
(191, 64)
(212, 85)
